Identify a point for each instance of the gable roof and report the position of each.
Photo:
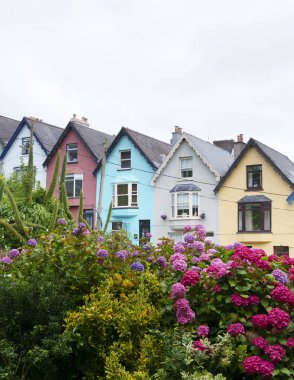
(227, 145)
(45, 134)
(279, 162)
(216, 159)
(7, 128)
(153, 150)
(92, 139)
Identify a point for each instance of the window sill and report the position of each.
(73, 197)
(125, 207)
(254, 189)
(120, 170)
(254, 232)
(186, 217)
(72, 162)
(185, 179)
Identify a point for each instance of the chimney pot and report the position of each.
(240, 138)
(178, 130)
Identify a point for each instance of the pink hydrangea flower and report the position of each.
(217, 289)
(281, 294)
(278, 318)
(183, 312)
(260, 343)
(276, 352)
(198, 345)
(254, 365)
(178, 290)
(236, 329)
(190, 278)
(290, 343)
(260, 321)
(203, 331)
(177, 256)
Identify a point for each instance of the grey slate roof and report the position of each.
(217, 158)
(227, 145)
(184, 187)
(254, 199)
(7, 128)
(47, 134)
(93, 138)
(155, 150)
(282, 162)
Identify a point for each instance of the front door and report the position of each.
(144, 227)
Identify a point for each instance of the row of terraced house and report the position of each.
(239, 191)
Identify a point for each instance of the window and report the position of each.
(281, 250)
(88, 215)
(254, 217)
(125, 159)
(186, 167)
(184, 205)
(254, 177)
(125, 195)
(25, 145)
(17, 169)
(116, 226)
(74, 185)
(72, 152)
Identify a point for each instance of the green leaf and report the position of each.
(276, 372)
(265, 302)
(286, 371)
(244, 295)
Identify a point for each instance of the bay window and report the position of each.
(185, 201)
(254, 214)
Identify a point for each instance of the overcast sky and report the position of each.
(215, 68)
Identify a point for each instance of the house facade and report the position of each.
(257, 194)
(131, 161)
(83, 147)
(16, 152)
(184, 187)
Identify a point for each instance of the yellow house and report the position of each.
(256, 200)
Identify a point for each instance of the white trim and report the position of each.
(171, 153)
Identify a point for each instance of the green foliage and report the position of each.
(53, 183)
(108, 218)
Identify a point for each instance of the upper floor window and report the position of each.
(125, 195)
(125, 159)
(74, 185)
(254, 177)
(254, 216)
(25, 145)
(184, 205)
(186, 167)
(72, 152)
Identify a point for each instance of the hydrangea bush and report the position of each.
(169, 311)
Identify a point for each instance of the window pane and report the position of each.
(25, 142)
(116, 226)
(122, 200)
(78, 187)
(69, 185)
(122, 189)
(187, 173)
(134, 187)
(281, 250)
(125, 164)
(254, 176)
(240, 220)
(186, 163)
(134, 200)
(125, 155)
(72, 155)
(252, 217)
(267, 220)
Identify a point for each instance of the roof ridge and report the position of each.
(92, 129)
(271, 148)
(143, 134)
(42, 122)
(207, 142)
(10, 118)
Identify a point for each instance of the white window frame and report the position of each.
(68, 149)
(175, 203)
(121, 160)
(130, 194)
(25, 146)
(76, 177)
(189, 168)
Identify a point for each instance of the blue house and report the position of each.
(131, 161)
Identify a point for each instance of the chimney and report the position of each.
(83, 120)
(176, 135)
(239, 145)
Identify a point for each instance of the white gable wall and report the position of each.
(202, 177)
(13, 157)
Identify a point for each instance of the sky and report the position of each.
(216, 68)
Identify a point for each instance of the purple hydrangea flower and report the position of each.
(81, 225)
(14, 253)
(203, 331)
(280, 276)
(199, 246)
(135, 253)
(177, 256)
(102, 253)
(148, 235)
(122, 254)
(195, 260)
(75, 231)
(146, 247)
(178, 290)
(61, 221)
(204, 257)
(200, 231)
(137, 266)
(161, 261)
(179, 248)
(189, 238)
(180, 265)
(100, 239)
(212, 251)
(150, 259)
(32, 242)
(6, 260)
(187, 228)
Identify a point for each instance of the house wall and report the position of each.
(202, 177)
(282, 213)
(86, 165)
(129, 216)
(14, 158)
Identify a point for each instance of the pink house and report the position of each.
(83, 147)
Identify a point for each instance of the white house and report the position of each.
(184, 186)
(16, 151)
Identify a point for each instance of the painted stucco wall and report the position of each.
(274, 188)
(13, 157)
(141, 174)
(85, 165)
(171, 176)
